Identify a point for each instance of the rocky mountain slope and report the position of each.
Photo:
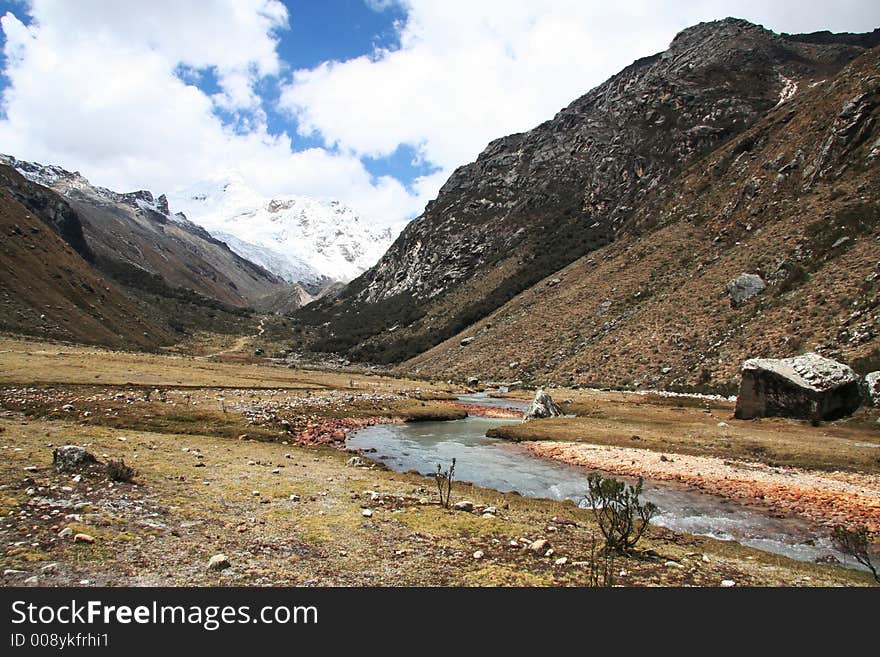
(304, 240)
(534, 202)
(48, 288)
(792, 202)
(134, 238)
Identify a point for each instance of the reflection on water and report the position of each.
(492, 463)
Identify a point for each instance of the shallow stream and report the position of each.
(505, 466)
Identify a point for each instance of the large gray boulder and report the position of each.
(542, 406)
(872, 388)
(744, 287)
(69, 458)
(809, 386)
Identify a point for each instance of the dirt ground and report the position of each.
(244, 460)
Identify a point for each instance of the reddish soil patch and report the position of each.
(486, 411)
(334, 431)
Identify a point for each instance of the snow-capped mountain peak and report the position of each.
(324, 235)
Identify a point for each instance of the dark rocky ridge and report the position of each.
(792, 203)
(536, 201)
(54, 210)
(47, 288)
(133, 238)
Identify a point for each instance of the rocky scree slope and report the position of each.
(794, 200)
(534, 202)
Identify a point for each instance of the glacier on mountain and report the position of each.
(300, 238)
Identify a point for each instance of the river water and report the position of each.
(505, 466)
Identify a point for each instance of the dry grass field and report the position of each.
(226, 476)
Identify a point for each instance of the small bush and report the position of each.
(855, 542)
(118, 471)
(621, 516)
(444, 484)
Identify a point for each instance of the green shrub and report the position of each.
(621, 516)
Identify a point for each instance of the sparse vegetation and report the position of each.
(601, 565)
(622, 517)
(307, 524)
(444, 483)
(117, 470)
(856, 542)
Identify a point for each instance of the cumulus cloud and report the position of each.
(461, 78)
(109, 89)
(113, 88)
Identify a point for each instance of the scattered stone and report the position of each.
(33, 580)
(561, 561)
(64, 533)
(478, 554)
(367, 513)
(539, 546)
(490, 510)
(673, 564)
(71, 457)
(473, 381)
(355, 462)
(727, 583)
(871, 387)
(542, 406)
(809, 387)
(464, 505)
(219, 562)
(744, 287)
(466, 341)
(83, 538)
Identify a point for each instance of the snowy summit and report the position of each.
(301, 238)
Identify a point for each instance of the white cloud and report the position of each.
(107, 87)
(466, 74)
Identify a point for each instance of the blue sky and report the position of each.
(371, 102)
(318, 31)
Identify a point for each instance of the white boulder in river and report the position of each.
(542, 406)
(807, 386)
